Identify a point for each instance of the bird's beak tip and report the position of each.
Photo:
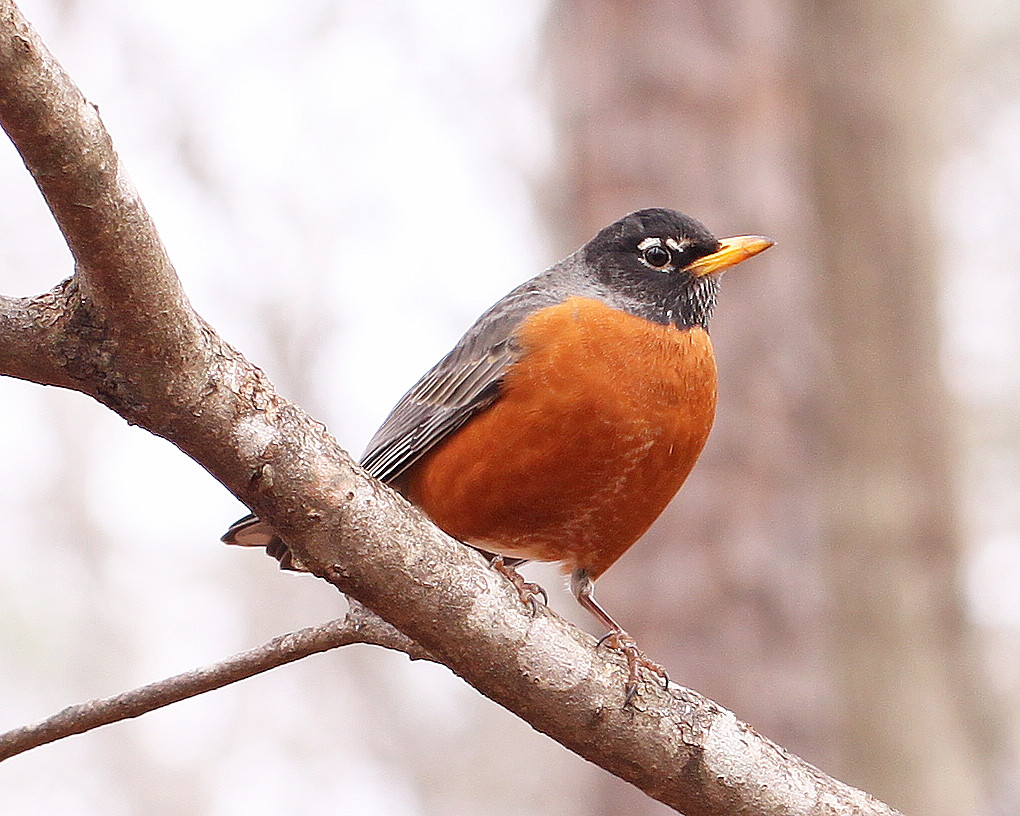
(731, 252)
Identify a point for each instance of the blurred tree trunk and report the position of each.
(805, 576)
(875, 106)
(680, 104)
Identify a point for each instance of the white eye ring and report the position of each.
(657, 256)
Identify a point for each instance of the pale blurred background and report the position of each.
(344, 186)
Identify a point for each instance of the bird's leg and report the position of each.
(528, 591)
(583, 587)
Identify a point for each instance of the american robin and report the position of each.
(570, 413)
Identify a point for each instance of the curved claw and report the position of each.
(527, 591)
(636, 660)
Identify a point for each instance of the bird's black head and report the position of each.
(663, 265)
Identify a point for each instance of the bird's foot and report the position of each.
(528, 591)
(636, 660)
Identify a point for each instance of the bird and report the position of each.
(567, 417)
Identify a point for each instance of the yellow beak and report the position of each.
(731, 252)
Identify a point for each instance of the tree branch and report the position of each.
(70, 155)
(360, 625)
(28, 328)
(123, 331)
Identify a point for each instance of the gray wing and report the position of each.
(464, 382)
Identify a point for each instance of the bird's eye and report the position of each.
(657, 256)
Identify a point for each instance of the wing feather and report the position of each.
(460, 385)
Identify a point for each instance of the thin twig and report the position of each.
(359, 626)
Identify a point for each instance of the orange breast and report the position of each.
(595, 430)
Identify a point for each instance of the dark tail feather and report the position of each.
(251, 531)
